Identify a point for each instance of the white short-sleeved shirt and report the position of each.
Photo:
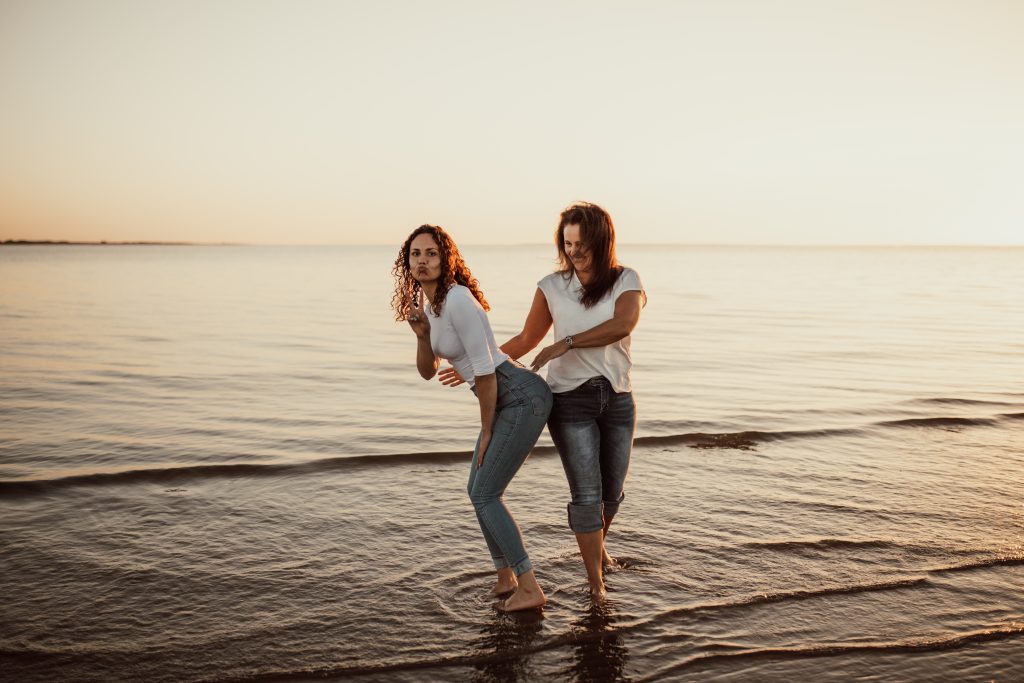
(462, 335)
(572, 369)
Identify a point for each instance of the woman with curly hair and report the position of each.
(443, 304)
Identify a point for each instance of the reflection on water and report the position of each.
(512, 649)
(506, 645)
(599, 652)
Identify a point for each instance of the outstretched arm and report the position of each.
(538, 322)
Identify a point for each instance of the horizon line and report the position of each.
(756, 245)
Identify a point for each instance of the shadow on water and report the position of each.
(508, 645)
(598, 651)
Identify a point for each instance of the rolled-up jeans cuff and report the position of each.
(584, 519)
(522, 567)
(611, 507)
(500, 562)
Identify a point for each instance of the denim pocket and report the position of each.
(541, 405)
(534, 392)
(521, 394)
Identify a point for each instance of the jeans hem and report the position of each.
(583, 518)
(522, 567)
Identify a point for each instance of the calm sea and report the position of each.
(219, 463)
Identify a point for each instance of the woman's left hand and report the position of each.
(549, 353)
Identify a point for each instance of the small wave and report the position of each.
(926, 644)
(1002, 561)
(748, 440)
(782, 596)
(821, 544)
(737, 440)
(745, 440)
(825, 544)
(941, 422)
(174, 474)
(951, 401)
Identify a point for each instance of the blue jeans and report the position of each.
(592, 427)
(524, 402)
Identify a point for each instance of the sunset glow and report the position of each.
(333, 123)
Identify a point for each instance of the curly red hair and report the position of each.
(454, 271)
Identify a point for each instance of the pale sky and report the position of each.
(718, 122)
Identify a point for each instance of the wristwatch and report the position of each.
(568, 341)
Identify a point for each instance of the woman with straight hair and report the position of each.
(442, 302)
(593, 303)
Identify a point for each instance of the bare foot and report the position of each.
(502, 587)
(608, 562)
(523, 599)
(598, 594)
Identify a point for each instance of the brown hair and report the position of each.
(453, 271)
(598, 236)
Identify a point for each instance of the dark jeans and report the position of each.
(524, 402)
(592, 427)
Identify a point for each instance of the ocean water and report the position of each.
(219, 463)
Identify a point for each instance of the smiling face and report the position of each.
(575, 249)
(424, 259)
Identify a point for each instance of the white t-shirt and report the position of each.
(575, 367)
(462, 335)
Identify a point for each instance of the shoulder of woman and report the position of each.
(628, 280)
(460, 297)
(627, 274)
(555, 279)
(549, 278)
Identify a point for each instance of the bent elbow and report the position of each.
(511, 346)
(626, 328)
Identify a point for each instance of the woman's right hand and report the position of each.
(450, 377)
(485, 441)
(418, 320)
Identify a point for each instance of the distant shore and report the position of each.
(105, 243)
